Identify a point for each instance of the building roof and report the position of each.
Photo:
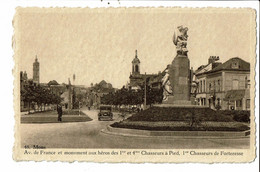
(142, 76)
(157, 78)
(53, 82)
(57, 86)
(137, 80)
(234, 95)
(203, 69)
(136, 60)
(229, 65)
(36, 60)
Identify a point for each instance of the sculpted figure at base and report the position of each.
(194, 86)
(167, 88)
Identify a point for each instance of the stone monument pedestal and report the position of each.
(172, 100)
(179, 77)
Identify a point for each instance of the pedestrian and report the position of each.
(59, 110)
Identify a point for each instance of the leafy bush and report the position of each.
(218, 107)
(179, 128)
(179, 114)
(242, 116)
(236, 115)
(73, 112)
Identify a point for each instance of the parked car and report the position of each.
(105, 113)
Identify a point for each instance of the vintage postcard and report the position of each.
(134, 84)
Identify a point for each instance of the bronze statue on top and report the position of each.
(176, 81)
(180, 38)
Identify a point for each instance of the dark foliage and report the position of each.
(180, 128)
(36, 94)
(236, 115)
(132, 97)
(179, 114)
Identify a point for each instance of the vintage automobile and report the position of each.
(105, 113)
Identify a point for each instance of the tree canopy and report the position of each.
(133, 97)
(39, 95)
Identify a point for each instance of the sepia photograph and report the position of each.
(140, 83)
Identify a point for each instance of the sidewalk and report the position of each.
(52, 117)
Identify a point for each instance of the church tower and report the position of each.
(36, 71)
(136, 64)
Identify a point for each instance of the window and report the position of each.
(219, 85)
(247, 103)
(200, 86)
(238, 103)
(204, 86)
(246, 82)
(218, 101)
(235, 65)
(136, 68)
(235, 84)
(209, 86)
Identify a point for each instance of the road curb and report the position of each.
(175, 134)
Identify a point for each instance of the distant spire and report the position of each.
(36, 59)
(136, 53)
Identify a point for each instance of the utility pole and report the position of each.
(79, 108)
(74, 78)
(145, 91)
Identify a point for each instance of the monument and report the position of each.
(177, 80)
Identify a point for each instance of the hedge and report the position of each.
(183, 114)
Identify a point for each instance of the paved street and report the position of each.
(88, 135)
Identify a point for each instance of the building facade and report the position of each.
(226, 85)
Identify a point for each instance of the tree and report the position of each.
(108, 99)
(55, 99)
(33, 93)
(28, 94)
(153, 95)
(123, 97)
(74, 100)
(47, 97)
(157, 95)
(39, 96)
(80, 97)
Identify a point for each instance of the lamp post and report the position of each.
(145, 91)
(79, 108)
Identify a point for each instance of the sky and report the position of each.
(100, 44)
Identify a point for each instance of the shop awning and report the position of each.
(232, 95)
